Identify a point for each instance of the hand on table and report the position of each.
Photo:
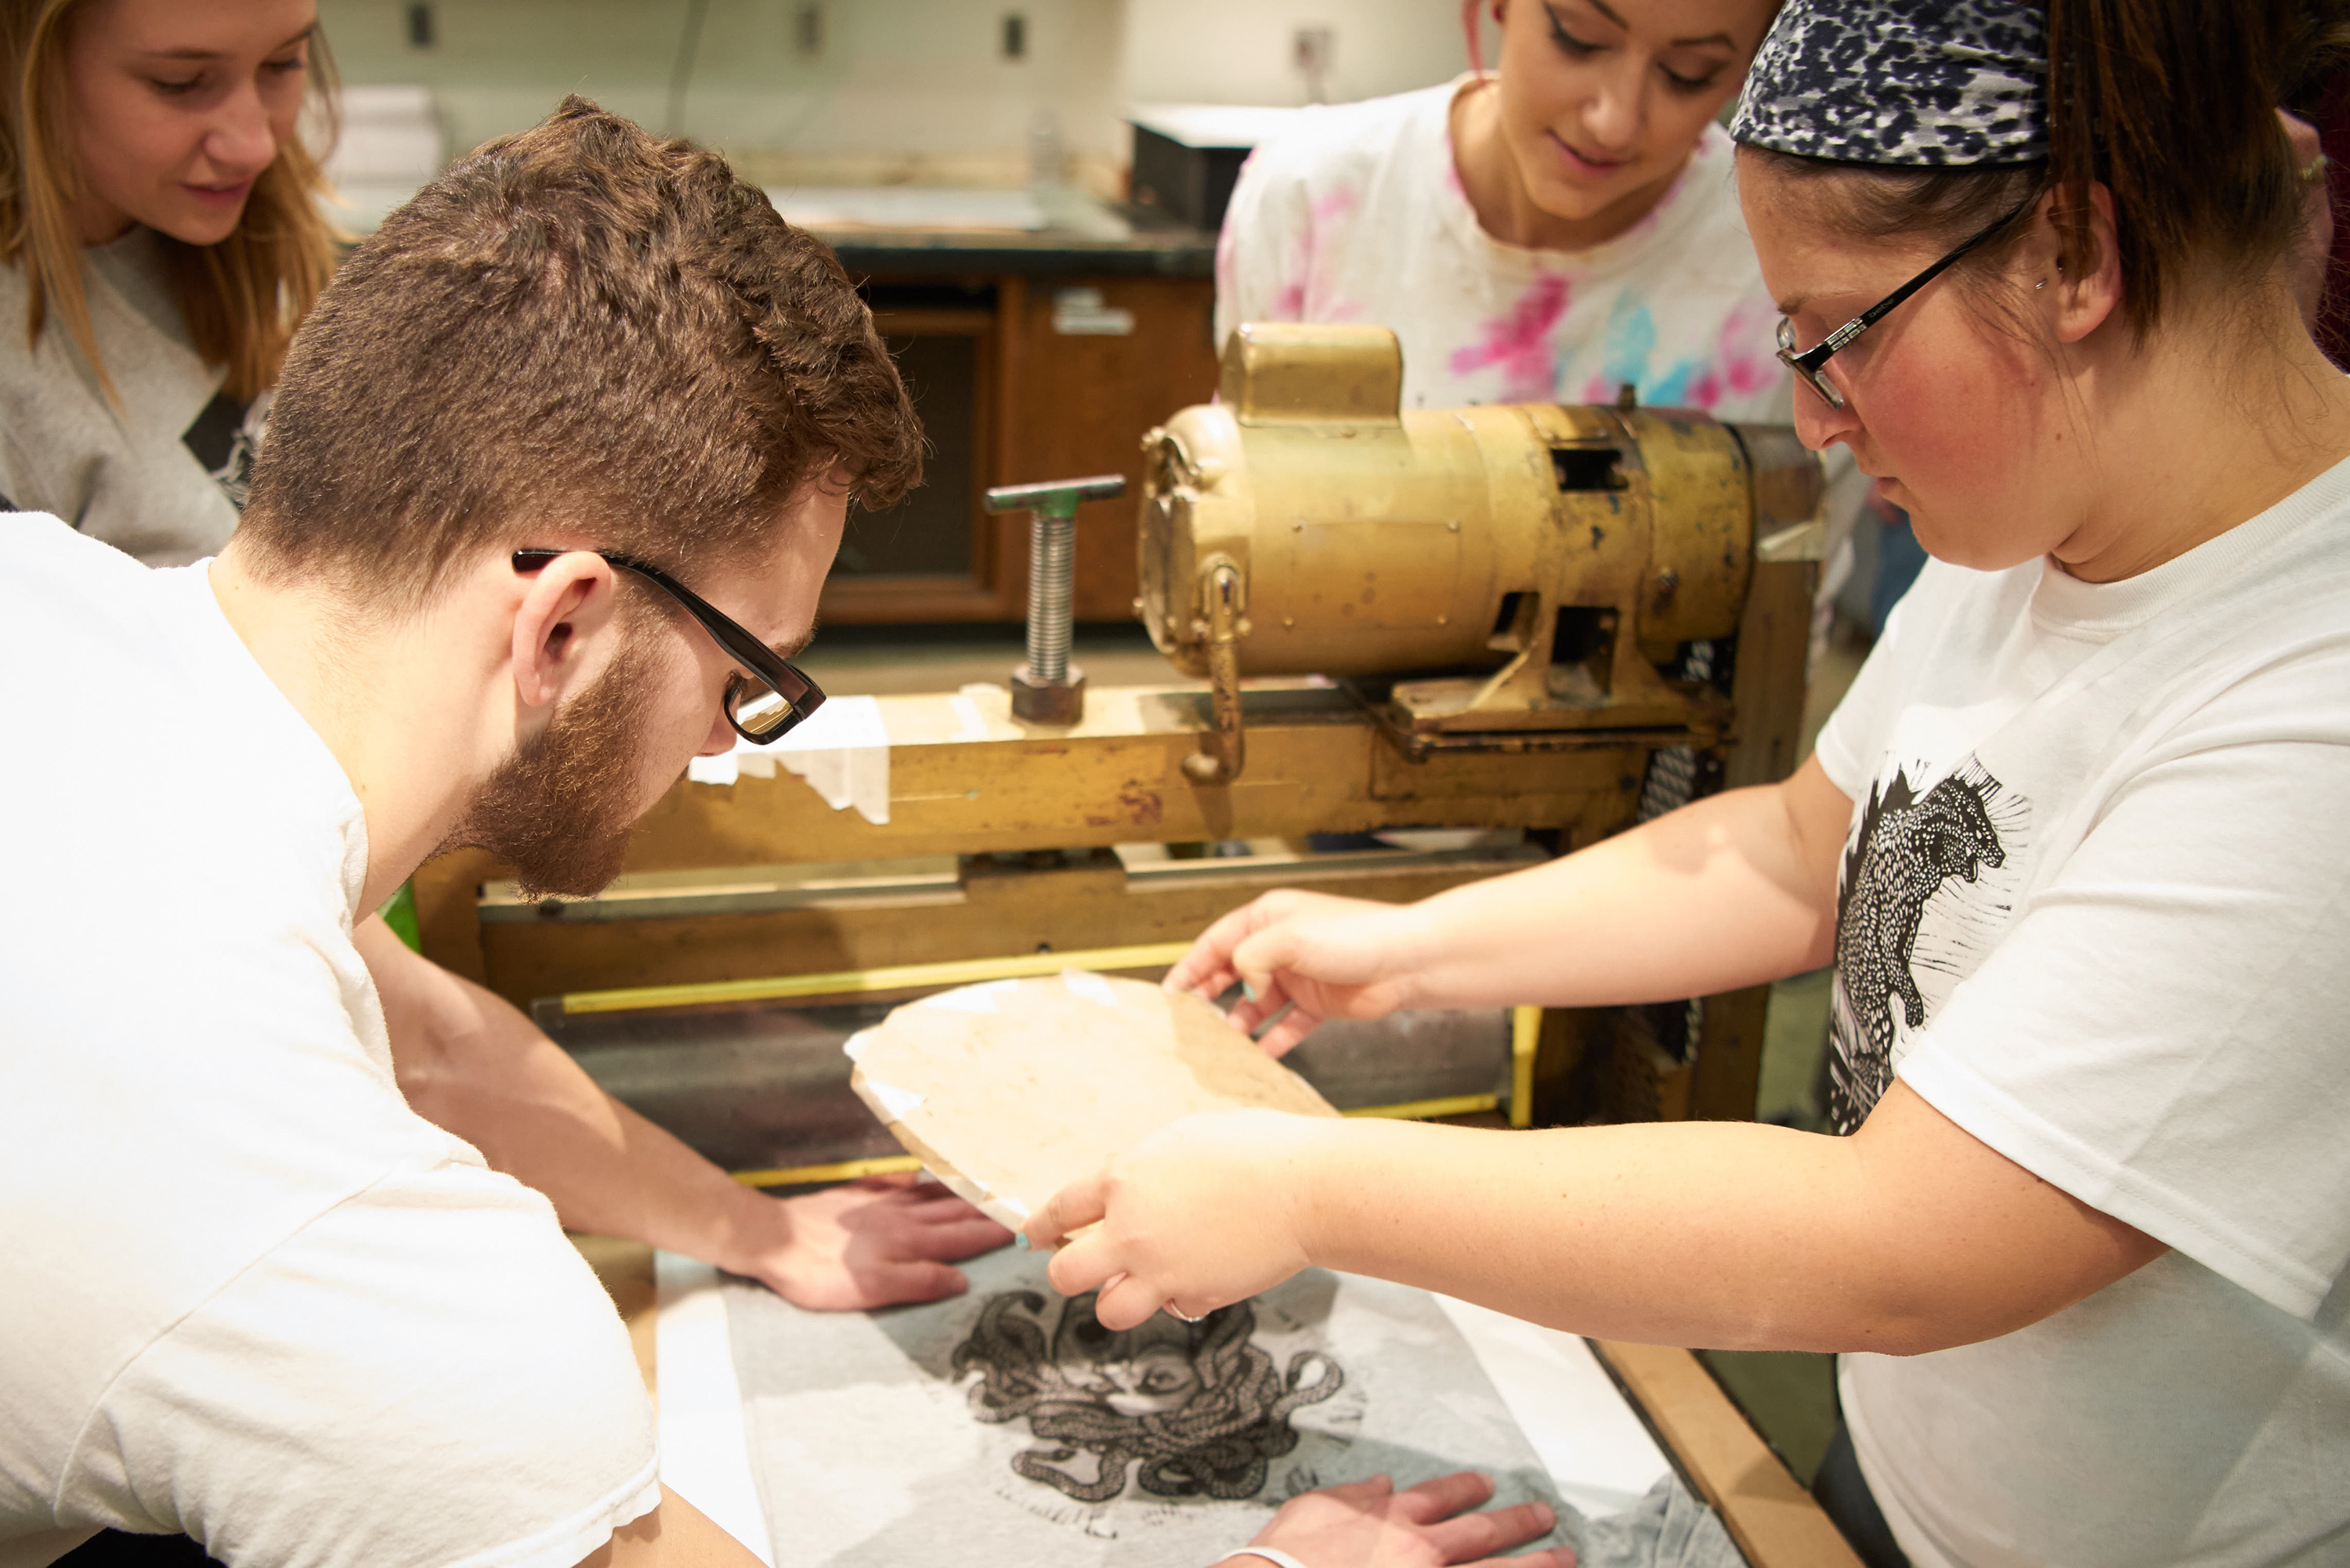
(1329, 957)
(1202, 1213)
(871, 1243)
(1371, 1525)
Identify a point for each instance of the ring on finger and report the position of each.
(1180, 1316)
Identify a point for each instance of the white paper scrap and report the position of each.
(970, 724)
(842, 752)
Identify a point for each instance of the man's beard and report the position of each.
(560, 810)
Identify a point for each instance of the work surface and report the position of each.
(1007, 1425)
(679, 1325)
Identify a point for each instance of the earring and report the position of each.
(2041, 284)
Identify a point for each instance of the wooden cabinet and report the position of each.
(1021, 377)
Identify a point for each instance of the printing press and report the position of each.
(1422, 647)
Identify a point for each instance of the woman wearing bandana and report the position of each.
(2075, 844)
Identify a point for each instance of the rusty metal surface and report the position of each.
(1534, 565)
(1316, 765)
(1060, 702)
(1000, 906)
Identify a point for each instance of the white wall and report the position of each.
(903, 88)
(1240, 51)
(902, 78)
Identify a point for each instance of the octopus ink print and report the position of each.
(1008, 1425)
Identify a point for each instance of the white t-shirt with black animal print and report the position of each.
(2096, 909)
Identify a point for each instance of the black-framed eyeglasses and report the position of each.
(775, 696)
(1810, 364)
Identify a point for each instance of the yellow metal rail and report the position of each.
(855, 981)
(1525, 1032)
(1525, 1028)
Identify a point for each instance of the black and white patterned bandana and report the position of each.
(1950, 83)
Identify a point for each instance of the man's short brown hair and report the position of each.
(580, 326)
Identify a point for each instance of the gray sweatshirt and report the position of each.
(163, 479)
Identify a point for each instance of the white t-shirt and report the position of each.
(2096, 909)
(163, 478)
(246, 1293)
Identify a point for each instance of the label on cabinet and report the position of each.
(1080, 312)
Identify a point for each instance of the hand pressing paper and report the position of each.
(1011, 1090)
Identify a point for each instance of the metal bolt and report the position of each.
(1051, 563)
(1045, 691)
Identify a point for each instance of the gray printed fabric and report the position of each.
(1007, 1426)
(1901, 83)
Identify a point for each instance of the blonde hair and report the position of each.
(241, 299)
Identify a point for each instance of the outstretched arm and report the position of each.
(1910, 1235)
(469, 1062)
(1731, 891)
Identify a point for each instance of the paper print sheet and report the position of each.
(1009, 1427)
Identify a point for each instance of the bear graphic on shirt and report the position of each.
(1906, 847)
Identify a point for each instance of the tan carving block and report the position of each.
(1010, 1091)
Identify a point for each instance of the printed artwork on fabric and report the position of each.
(1007, 1426)
(1901, 83)
(224, 437)
(1186, 1410)
(1917, 897)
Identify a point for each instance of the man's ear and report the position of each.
(2088, 292)
(570, 600)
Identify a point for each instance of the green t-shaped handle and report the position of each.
(1055, 497)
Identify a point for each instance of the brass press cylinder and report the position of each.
(1368, 540)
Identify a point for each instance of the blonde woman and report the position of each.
(159, 239)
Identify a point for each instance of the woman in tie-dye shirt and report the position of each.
(1549, 231)
(1546, 231)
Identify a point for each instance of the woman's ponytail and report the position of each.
(2171, 105)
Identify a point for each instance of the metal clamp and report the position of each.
(1045, 689)
(1223, 596)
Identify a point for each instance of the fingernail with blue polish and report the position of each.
(1020, 1239)
(1248, 991)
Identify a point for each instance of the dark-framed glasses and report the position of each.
(770, 694)
(1810, 364)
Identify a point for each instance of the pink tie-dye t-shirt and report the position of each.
(1356, 214)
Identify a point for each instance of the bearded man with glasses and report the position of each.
(554, 476)
(274, 1182)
